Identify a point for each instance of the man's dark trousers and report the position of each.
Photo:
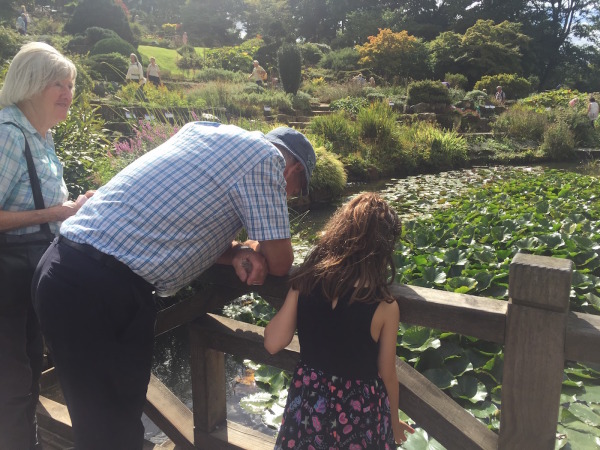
(99, 326)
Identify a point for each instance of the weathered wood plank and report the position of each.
(238, 338)
(480, 317)
(208, 384)
(170, 414)
(441, 416)
(235, 436)
(434, 409)
(534, 352)
(583, 338)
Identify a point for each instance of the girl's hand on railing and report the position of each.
(400, 428)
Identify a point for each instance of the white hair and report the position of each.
(36, 66)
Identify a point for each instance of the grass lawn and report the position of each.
(166, 58)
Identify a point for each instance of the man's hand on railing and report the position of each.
(250, 266)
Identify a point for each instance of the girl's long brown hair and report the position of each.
(355, 253)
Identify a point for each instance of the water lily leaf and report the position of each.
(591, 394)
(542, 207)
(585, 243)
(484, 410)
(486, 255)
(429, 359)
(421, 282)
(420, 440)
(257, 402)
(469, 388)
(442, 378)
(271, 376)
(458, 364)
(273, 416)
(484, 280)
(529, 243)
(593, 300)
(461, 285)
(585, 414)
(434, 275)
(496, 291)
(419, 339)
(494, 367)
(552, 241)
(500, 234)
(578, 439)
(456, 257)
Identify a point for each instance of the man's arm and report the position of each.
(253, 260)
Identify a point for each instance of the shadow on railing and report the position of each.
(535, 326)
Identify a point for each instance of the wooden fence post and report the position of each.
(208, 387)
(534, 352)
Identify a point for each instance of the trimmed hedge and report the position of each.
(114, 45)
(513, 85)
(427, 91)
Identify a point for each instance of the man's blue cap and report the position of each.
(297, 144)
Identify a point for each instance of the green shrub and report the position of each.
(521, 124)
(558, 143)
(342, 60)
(356, 167)
(457, 80)
(99, 13)
(329, 178)
(377, 122)
(289, 63)
(477, 96)
(338, 130)
(427, 91)
(555, 98)
(301, 101)
(311, 53)
(577, 121)
(95, 34)
(10, 43)
(80, 142)
(108, 66)
(78, 44)
(114, 45)
(351, 105)
(513, 85)
(212, 74)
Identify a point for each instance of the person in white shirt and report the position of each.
(153, 72)
(593, 110)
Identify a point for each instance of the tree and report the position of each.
(395, 54)
(212, 22)
(99, 13)
(484, 49)
(289, 59)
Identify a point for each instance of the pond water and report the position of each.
(412, 196)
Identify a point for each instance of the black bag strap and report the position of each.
(38, 200)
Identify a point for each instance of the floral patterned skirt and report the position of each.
(325, 412)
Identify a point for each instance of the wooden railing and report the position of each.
(535, 326)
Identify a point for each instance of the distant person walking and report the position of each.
(258, 73)
(500, 95)
(593, 110)
(21, 24)
(184, 38)
(135, 74)
(153, 72)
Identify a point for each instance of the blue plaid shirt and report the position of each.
(171, 213)
(15, 188)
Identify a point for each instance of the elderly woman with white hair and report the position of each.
(36, 95)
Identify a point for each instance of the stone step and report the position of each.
(321, 112)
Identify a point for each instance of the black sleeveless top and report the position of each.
(337, 341)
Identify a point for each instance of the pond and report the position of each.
(413, 197)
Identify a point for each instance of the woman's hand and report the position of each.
(400, 428)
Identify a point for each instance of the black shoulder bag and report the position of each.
(20, 254)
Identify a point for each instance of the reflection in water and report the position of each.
(171, 365)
